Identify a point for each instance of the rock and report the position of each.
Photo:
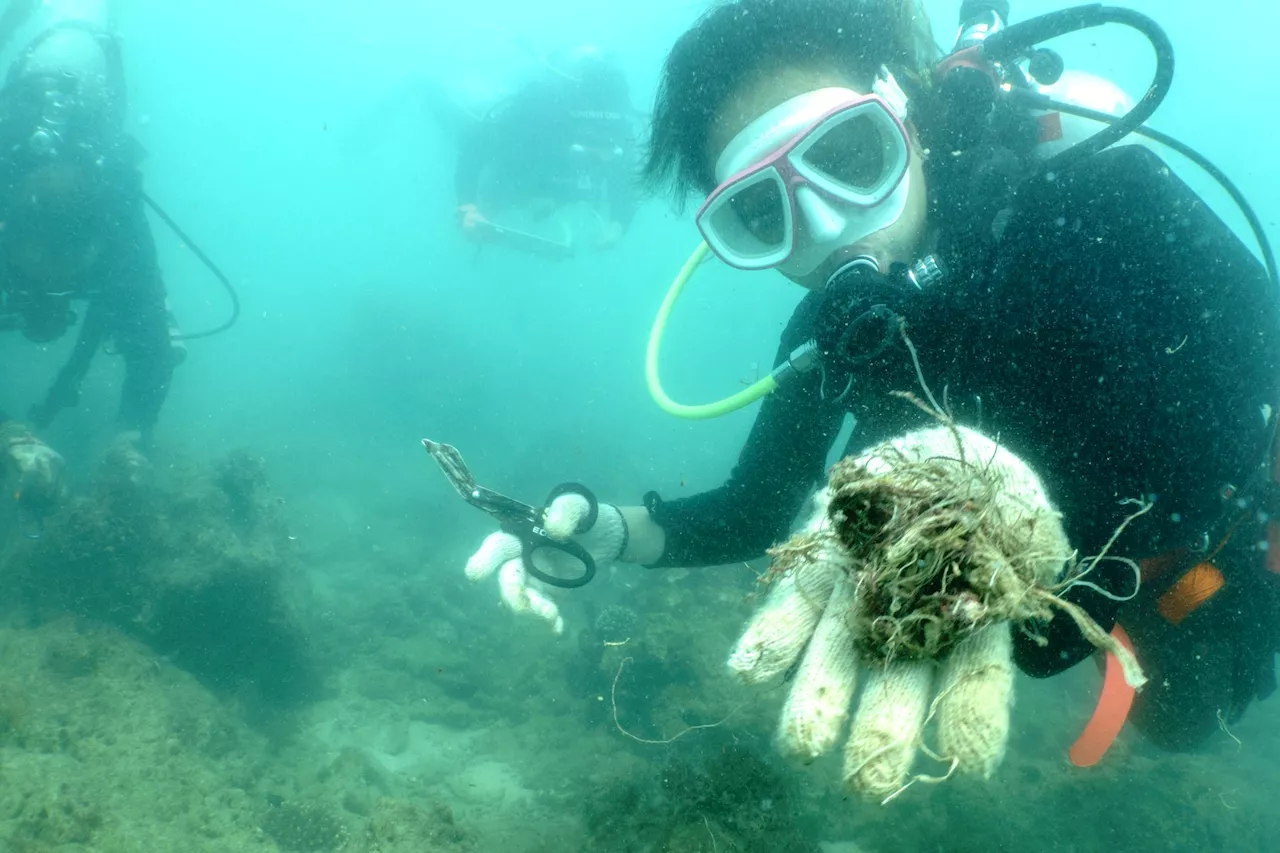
(399, 826)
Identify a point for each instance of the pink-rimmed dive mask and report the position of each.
(813, 175)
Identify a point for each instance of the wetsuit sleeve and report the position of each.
(780, 465)
(137, 318)
(1141, 237)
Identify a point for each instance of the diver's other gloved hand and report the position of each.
(124, 461)
(502, 552)
(470, 218)
(919, 555)
(33, 471)
(610, 235)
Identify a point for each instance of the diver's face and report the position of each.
(898, 242)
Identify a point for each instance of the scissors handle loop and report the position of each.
(536, 538)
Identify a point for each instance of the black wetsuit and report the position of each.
(1121, 340)
(125, 305)
(546, 143)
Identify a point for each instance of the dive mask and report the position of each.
(57, 104)
(810, 177)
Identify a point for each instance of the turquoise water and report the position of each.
(269, 644)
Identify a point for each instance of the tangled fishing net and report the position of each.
(942, 550)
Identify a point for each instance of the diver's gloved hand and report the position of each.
(124, 461)
(470, 218)
(502, 552)
(610, 235)
(919, 555)
(33, 471)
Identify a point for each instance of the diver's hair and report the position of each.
(740, 41)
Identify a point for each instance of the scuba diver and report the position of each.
(565, 138)
(74, 229)
(1073, 297)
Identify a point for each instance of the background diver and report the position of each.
(566, 137)
(1090, 310)
(74, 230)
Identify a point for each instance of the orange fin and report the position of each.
(1113, 709)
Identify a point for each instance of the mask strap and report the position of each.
(887, 89)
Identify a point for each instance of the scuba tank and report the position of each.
(999, 84)
(1050, 78)
(1060, 131)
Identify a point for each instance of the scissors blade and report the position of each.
(455, 470)
(459, 475)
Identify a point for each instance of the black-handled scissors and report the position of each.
(521, 520)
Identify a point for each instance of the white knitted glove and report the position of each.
(830, 609)
(501, 552)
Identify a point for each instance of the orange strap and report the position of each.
(1113, 709)
(1196, 586)
(1049, 128)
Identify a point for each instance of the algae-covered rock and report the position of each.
(400, 826)
(617, 623)
(198, 566)
(116, 760)
(63, 816)
(304, 827)
(242, 478)
(73, 656)
(730, 800)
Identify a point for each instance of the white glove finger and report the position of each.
(518, 595)
(778, 632)
(564, 514)
(496, 550)
(974, 702)
(819, 701)
(887, 728)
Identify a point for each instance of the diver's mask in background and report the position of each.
(61, 116)
(58, 97)
(810, 177)
(63, 95)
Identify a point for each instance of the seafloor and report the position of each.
(202, 664)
